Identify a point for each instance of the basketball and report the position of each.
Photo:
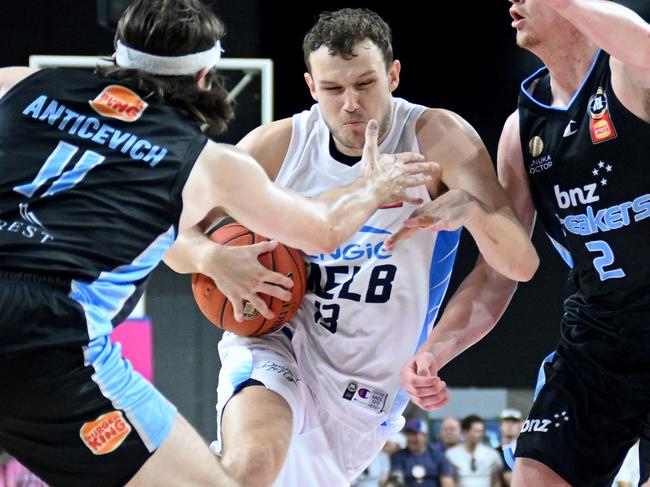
(216, 307)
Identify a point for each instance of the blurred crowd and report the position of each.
(459, 455)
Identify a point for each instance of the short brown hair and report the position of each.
(342, 29)
(175, 28)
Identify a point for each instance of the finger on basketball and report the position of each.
(264, 247)
(259, 292)
(259, 304)
(237, 309)
(278, 279)
(275, 291)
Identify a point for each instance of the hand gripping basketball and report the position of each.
(216, 305)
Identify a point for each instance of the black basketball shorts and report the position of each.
(71, 408)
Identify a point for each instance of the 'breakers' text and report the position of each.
(607, 219)
(91, 128)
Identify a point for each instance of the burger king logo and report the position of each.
(119, 102)
(106, 433)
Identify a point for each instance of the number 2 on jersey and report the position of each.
(607, 258)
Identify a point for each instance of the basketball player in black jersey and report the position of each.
(576, 152)
(98, 176)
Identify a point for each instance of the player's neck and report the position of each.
(568, 69)
(343, 157)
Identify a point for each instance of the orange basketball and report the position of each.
(216, 307)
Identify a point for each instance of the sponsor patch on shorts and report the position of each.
(106, 433)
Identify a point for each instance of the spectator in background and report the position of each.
(15, 474)
(393, 481)
(475, 464)
(377, 472)
(509, 428)
(395, 443)
(449, 434)
(419, 464)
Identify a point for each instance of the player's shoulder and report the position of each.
(510, 134)
(269, 144)
(441, 119)
(220, 153)
(274, 133)
(11, 76)
(512, 122)
(439, 127)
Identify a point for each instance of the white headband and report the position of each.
(127, 57)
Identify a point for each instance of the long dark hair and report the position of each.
(175, 28)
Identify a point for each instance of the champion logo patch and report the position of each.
(106, 433)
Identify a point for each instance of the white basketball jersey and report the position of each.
(367, 310)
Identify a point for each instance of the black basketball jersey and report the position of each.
(589, 177)
(91, 175)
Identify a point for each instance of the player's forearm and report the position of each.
(471, 313)
(189, 251)
(346, 209)
(503, 242)
(614, 28)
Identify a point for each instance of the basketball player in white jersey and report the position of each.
(312, 404)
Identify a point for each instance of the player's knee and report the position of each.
(254, 463)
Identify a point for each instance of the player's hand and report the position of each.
(240, 276)
(450, 211)
(393, 174)
(421, 382)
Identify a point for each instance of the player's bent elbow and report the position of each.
(328, 240)
(517, 270)
(321, 238)
(525, 271)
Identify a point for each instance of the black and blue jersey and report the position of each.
(91, 175)
(587, 167)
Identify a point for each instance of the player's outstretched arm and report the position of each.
(482, 297)
(473, 199)
(611, 26)
(11, 76)
(227, 177)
